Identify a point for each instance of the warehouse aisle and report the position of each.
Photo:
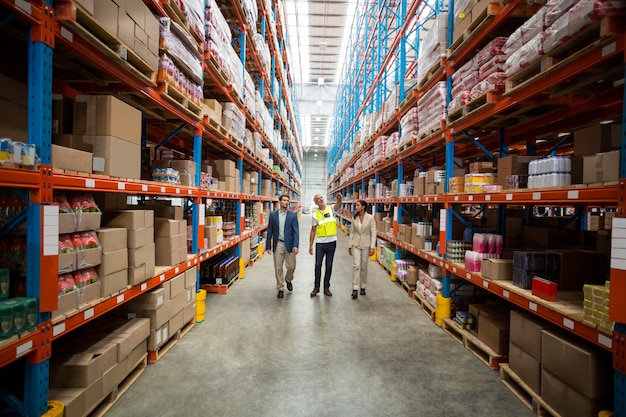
(256, 355)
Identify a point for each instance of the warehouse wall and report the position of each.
(314, 175)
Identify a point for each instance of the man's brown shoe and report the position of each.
(314, 292)
(327, 292)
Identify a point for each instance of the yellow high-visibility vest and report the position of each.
(326, 223)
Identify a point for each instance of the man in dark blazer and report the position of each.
(283, 239)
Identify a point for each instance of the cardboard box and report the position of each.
(128, 219)
(107, 116)
(601, 167)
(113, 283)
(67, 262)
(526, 367)
(224, 168)
(125, 28)
(579, 267)
(113, 262)
(140, 256)
(189, 312)
(67, 223)
(150, 269)
(513, 165)
(210, 233)
(592, 374)
(136, 238)
(497, 269)
(190, 277)
(158, 337)
(167, 251)
(112, 238)
(88, 258)
(89, 293)
(597, 138)
(166, 212)
(177, 285)
(179, 302)
(120, 158)
(111, 201)
(75, 370)
(166, 227)
(542, 238)
(130, 335)
(71, 159)
(137, 274)
(494, 332)
(150, 300)
(177, 321)
(73, 400)
(566, 400)
(105, 13)
(66, 303)
(526, 333)
(88, 221)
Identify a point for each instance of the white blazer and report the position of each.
(363, 235)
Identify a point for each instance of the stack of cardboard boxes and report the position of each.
(86, 368)
(140, 247)
(169, 307)
(227, 173)
(525, 349)
(493, 325)
(171, 241)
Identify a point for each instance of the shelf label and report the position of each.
(442, 219)
(532, 306)
(22, 349)
(568, 323)
(88, 314)
(189, 192)
(178, 191)
(144, 286)
(395, 214)
(468, 276)
(58, 329)
(505, 293)
(488, 197)
(121, 185)
(605, 341)
(162, 189)
(509, 197)
(144, 187)
(89, 183)
(572, 195)
(67, 34)
(536, 196)
(440, 263)
(188, 264)
(456, 198)
(176, 270)
(470, 198)
(485, 284)
(162, 277)
(24, 5)
(609, 49)
(454, 269)
(120, 298)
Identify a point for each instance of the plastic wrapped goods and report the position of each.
(526, 55)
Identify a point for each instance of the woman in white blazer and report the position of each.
(362, 246)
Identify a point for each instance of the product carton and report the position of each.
(158, 337)
(601, 167)
(494, 332)
(497, 269)
(566, 400)
(177, 285)
(177, 321)
(67, 262)
(141, 255)
(166, 227)
(113, 262)
(149, 301)
(112, 238)
(526, 333)
(107, 115)
(189, 312)
(71, 159)
(128, 219)
(114, 282)
(592, 374)
(579, 267)
(66, 303)
(137, 238)
(75, 370)
(526, 367)
(190, 277)
(119, 158)
(597, 138)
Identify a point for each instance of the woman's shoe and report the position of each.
(362, 291)
(355, 294)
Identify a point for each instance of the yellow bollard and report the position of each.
(261, 249)
(242, 268)
(393, 271)
(55, 409)
(374, 257)
(200, 305)
(442, 309)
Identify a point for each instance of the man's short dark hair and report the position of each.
(284, 195)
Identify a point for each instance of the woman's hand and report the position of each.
(371, 251)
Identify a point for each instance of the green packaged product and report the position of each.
(4, 283)
(19, 314)
(30, 313)
(6, 320)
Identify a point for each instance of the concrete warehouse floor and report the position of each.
(256, 355)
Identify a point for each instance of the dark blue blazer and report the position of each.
(292, 232)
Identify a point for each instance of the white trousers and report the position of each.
(360, 258)
(281, 256)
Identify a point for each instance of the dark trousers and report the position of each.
(321, 250)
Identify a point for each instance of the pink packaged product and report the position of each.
(491, 50)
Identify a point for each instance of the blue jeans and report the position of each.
(321, 250)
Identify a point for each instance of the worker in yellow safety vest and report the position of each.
(324, 234)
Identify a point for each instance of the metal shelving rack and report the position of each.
(442, 146)
(48, 27)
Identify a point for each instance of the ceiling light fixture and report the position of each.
(319, 103)
(320, 81)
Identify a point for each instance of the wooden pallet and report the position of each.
(408, 288)
(523, 75)
(474, 345)
(530, 398)
(221, 288)
(155, 355)
(430, 74)
(100, 409)
(218, 128)
(485, 100)
(84, 25)
(175, 96)
(426, 307)
(174, 12)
